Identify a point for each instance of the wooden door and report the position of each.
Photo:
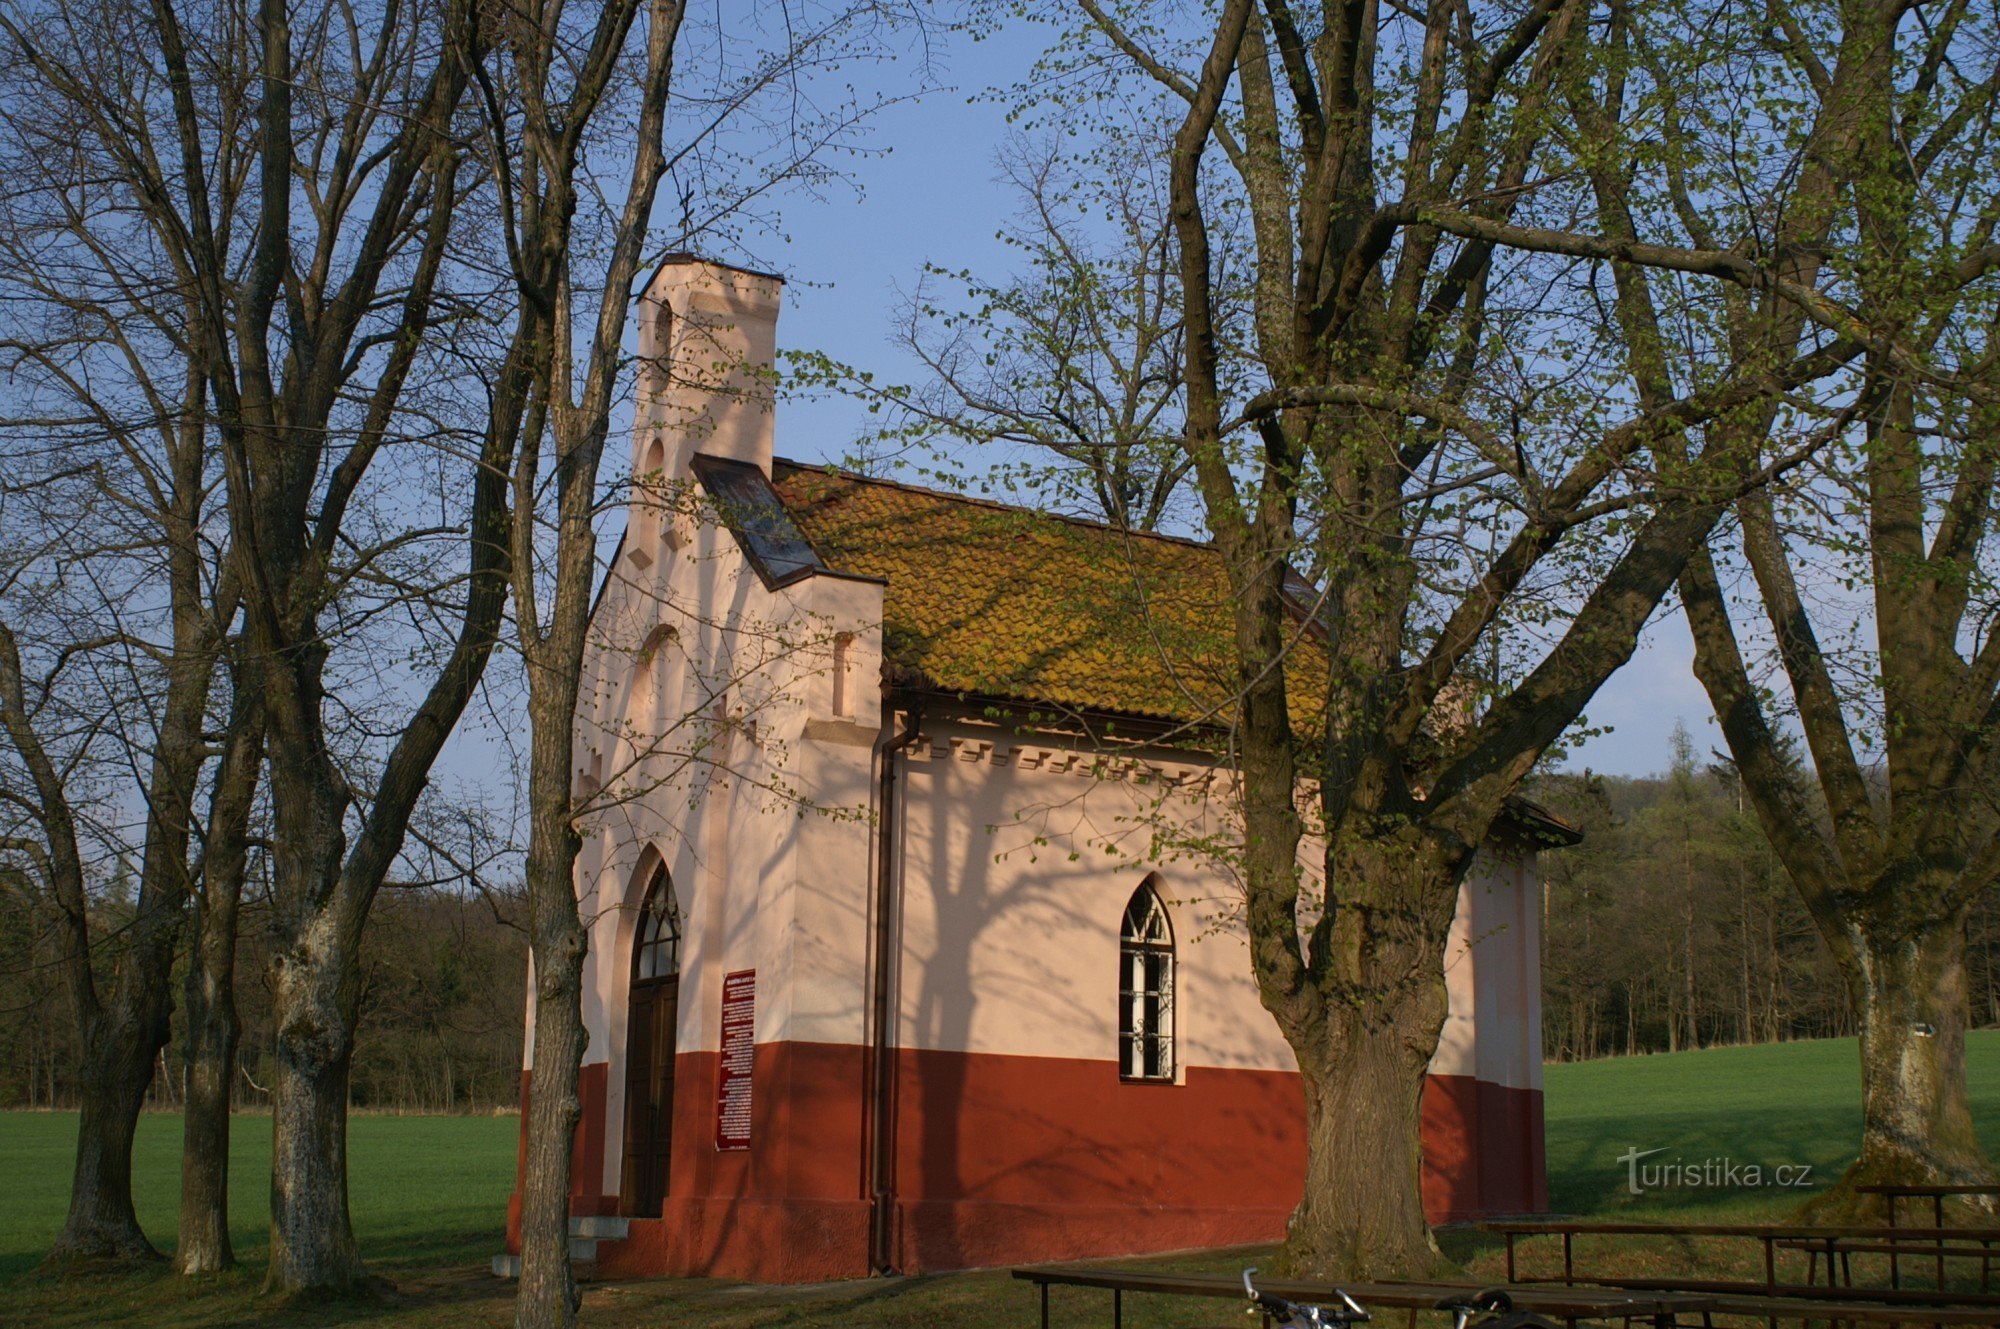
(649, 1054)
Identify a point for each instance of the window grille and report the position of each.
(1146, 989)
(659, 931)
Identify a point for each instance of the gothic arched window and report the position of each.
(1146, 989)
(659, 952)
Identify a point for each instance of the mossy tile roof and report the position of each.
(997, 601)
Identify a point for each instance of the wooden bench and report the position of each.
(1937, 1195)
(1940, 1245)
(1903, 1242)
(1780, 1310)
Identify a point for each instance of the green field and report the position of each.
(423, 1190)
(1795, 1103)
(430, 1197)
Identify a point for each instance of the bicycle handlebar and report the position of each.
(1492, 1300)
(1349, 1312)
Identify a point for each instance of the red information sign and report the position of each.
(739, 1050)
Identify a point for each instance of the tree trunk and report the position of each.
(213, 1032)
(1362, 1213)
(1916, 1118)
(312, 1238)
(548, 1298)
(120, 1036)
(213, 1029)
(116, 1069)
(110, 1090)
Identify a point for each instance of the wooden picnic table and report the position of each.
(1569, 1304)
(1588, 1227)
(1773, 1310)
(1962, 1242)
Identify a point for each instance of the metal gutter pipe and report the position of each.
(881, 1069)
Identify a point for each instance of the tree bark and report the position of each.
(1907, 981)
(548, 1297)
(312, 1237)
(1362, 1214)
(111, 1090)
(314, 974)
(203, 1246)
(122, 1033)
(213, 1028)
(543, 386)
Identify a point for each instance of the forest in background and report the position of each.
(1671, 926)
(444, 987)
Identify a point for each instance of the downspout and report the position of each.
(888, 874)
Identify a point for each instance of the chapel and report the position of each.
(914, 941)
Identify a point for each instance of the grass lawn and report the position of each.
(1793, 1104)
(422, 1190)
(430, 1195)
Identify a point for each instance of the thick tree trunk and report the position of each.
(312, 1238)
(120, 1049)
(112, 1089)
(1364, 1050)
(1908, 984)
(547, 1298)
(121, 1040)
(1362, 1215)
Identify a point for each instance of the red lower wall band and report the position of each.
(586, 1163)
(1004, 1159)
(1484, 1155)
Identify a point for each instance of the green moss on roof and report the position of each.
(1007, 602)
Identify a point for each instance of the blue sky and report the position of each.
(931, 195)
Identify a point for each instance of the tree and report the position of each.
(1451, 452)
(560, 79)
(1887, 822)
(1077, 359)
(295, 176)
(125, 587)
(551, 95)
(213, 1027)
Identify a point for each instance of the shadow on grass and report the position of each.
(1657, 1165)
(156, 1296)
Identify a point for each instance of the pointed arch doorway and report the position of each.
(649, 1050)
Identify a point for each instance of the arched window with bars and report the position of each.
(659, 932)
(1146, 988)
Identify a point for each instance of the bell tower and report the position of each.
(707, 346)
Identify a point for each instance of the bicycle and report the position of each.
(1493, 1303)
(1498, 1308)
(1298, 1314)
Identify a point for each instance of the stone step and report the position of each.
(601, 1227)
(582, 1254)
